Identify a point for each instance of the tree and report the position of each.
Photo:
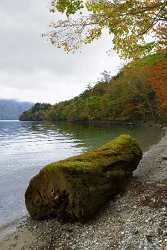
(105, 77)
(158, 80)
(131, 22)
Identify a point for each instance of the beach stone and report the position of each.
(76, 188)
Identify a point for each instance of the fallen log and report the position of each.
(77, 187)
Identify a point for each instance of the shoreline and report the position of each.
(98, 234)
(103, 123)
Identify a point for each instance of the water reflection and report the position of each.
(89, 136)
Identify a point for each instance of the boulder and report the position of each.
(76, 188)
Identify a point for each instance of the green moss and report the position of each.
(65, 188)
(99, 157)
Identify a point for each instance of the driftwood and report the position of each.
(76, 188)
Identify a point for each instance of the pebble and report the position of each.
(126, 225)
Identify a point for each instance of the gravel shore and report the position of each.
(134, 220)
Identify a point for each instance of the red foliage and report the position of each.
(158, 80)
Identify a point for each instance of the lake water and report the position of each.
(26, 146)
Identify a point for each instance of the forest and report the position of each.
(137, 93)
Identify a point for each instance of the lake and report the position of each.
(26, 146)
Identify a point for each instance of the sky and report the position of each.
(31, 69)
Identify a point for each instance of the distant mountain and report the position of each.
(11, 109)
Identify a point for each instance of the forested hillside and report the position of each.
(11, 109)
(137, 93)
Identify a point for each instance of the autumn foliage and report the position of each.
(138, 93)
(158, 80)
(129, 22)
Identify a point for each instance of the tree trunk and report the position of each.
(76, 188)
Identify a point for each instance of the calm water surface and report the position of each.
(26, 146)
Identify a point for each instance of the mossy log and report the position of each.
(76, 188)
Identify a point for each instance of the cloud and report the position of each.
(32, 69)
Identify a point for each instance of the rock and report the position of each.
(76, 188)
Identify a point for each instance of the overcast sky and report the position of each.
(31, 69)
